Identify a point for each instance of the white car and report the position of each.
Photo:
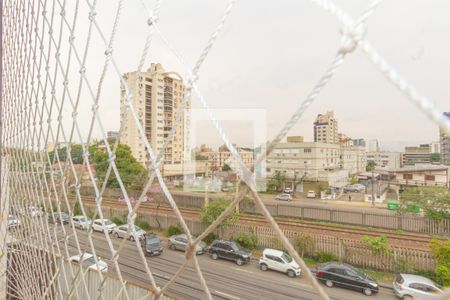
(284, 197)
(98, 226)
(279, 261)
(311, 194)
(121, 232)
(408, 286)
(87, 260)
(34, 211)
(81, 222)
(13, 222)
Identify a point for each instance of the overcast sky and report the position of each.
(271, 53)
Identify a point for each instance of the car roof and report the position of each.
(101, 220)
(274, 252)
(417, 278)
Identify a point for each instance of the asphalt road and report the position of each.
(225, 279)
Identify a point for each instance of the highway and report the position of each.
(225, 279)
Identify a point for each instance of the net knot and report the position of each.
(152, 20)
(351, 36)
(108, 51)
(92, 15)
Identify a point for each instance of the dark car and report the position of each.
(61, 218)
(151, 245)
(346, 276)
(229, 250)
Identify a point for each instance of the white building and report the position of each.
(420, 175)
(353, 159)
(156, 96)
(373, 146)
(435, 147)
(385, 159)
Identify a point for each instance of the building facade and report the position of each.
(445, 144)
(326, 129)
(385, 159)
(216, 160)
(359, 142)
(156, 96)
(417, 155)
(353, 159)
(373, 146)
(420, 175)
(435, 147)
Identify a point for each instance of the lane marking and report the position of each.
(161, 275)
(242, 270)
(227, 295)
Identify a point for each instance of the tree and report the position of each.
(441, 255)
(132, 173)
(213, 210)
(277, 181)
(435, 157)
(370, 166)
(226, 168)
(76, 151)
(435, 201)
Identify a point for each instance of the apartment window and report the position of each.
(429, 177)
(407, 176)
(307, 150)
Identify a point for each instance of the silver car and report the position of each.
(81, 222)
(284, 197)
(408, 286)
(122, 232)
(180, 241)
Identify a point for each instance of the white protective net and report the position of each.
(43, 84)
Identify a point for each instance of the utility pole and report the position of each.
(373, 190)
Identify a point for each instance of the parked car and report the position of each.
(311, 194)
(151, 245)
(122, 232)
(107, 225)
(284, 197)
(279, 261)
(407, 287)
(180, 241)
(81, 222)
(35, 211)
(87, 260)
(13, 222)
(346, 276)
(229, 250)
(355, 188)
(287, 191)
(61, 218)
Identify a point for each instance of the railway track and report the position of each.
(415, 241)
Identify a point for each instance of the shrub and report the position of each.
(144, 225)
(171, 230)
(304, 244)
(441, 255)
(247, 240)
(322, 257)
(378, 245)
(210, 238)
(119, 220)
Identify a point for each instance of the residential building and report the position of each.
(326, 129)
(420, 175)
(445, 144)
(385, 159)
(373, 146)
(353, 159)
(359, 142)
(308, 160)
(217, 159)
(435, 147)
(345, 140)
(113, 135)
(156, 96)
(417, 155)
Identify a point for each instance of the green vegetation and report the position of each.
(247, 240)
(370, 166)
(304, 245)
(76, 151)
(435, 157)
(132, 173)
(172, 230)
(354, 180)
(226, 168)
(435, 201)
(441, 255)
(321, 257)
(119, 220)
(209, 238)
(276, 182)
(378, 245)
(144, 225)
(213, 210)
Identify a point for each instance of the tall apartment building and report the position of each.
(445, 144)
(373, 146)
(417, 155)
(326, 129)
(359, 142)
(385, 159)
(353, 159)
(156, 97)
(435, 147)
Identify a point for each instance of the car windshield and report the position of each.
(107, 222)
(88, 261)
(153, 241)
(286, 258)
(234, 247)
